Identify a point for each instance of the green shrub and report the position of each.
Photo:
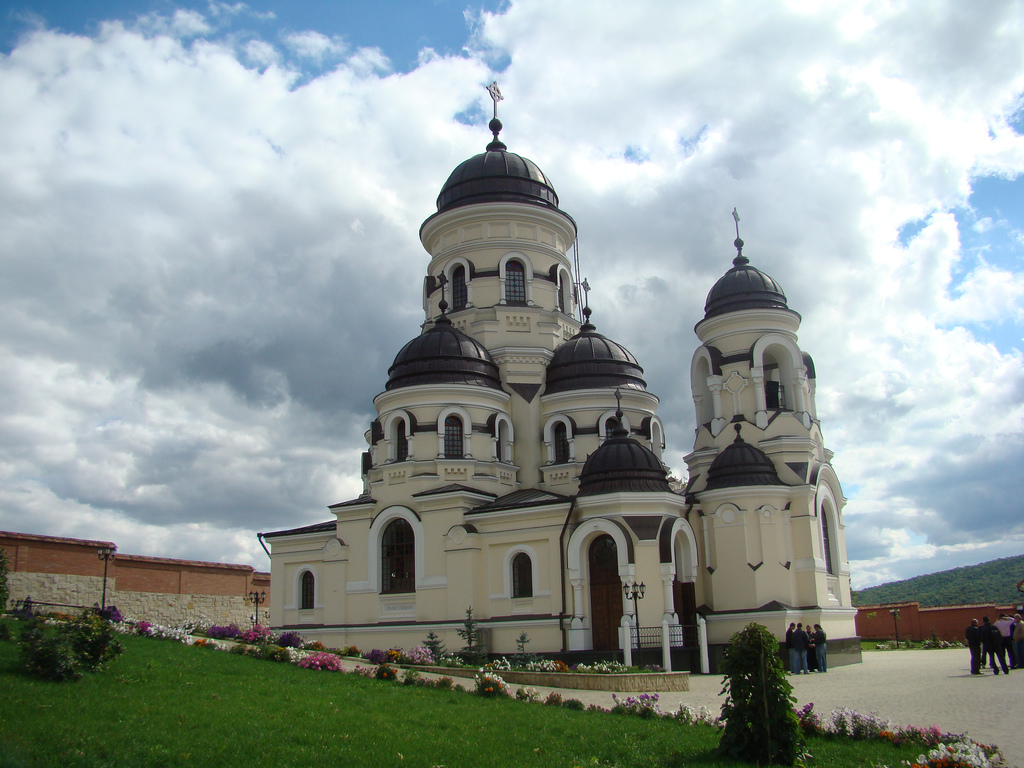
(5, 567)
(93, 640)
(385, 672)
(48, 655)
(274, 653)
(573, 704)
(83, 644)
(760, 724)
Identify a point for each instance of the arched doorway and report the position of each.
(605, 593)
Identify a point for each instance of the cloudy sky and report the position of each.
(209, 252)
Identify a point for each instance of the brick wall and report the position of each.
(68, 572)
(875, 622)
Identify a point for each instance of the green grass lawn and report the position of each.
(165, 704)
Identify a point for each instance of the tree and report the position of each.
(472, 652)
(760, 724)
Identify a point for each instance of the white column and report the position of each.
(702, 641)
(761, 410)
(625, 633)
(666, 645)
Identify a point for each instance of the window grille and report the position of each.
(398, 558)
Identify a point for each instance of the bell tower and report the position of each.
(769, 501)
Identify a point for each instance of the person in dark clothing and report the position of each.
(794, 663)
(973, 637)
(992, 646)
(800, 643)
(819, 647)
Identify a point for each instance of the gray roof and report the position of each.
(527, 497)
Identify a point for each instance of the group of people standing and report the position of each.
(807, 649)
(1002, 642)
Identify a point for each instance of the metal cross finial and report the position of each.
(618, 402)
(736, 218)
(586, 292)
(495, 96)
(442, 305)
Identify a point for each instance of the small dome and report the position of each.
(497, 175)
(622, 464)
(743, 287)
(741, 464)
(590, 361)
(443, 355)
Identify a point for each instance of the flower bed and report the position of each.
(623, 683)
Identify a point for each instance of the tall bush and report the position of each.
(760, 724)
(93, 640)
(86, 644)
(5, 567)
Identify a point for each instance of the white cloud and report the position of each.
(182, 24)
(313, 45)
(261, 54)
(197, 241)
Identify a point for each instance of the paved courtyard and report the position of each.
(908, 687)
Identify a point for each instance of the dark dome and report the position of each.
(496, 176)
(743, 287)
(443, 355)
(589, 360)
(622, 464)
(741, 464)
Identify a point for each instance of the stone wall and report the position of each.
(68, 574)
(156, 607)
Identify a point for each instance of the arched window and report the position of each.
(504, 442)
(561, 441)
(561, 295)
(460, 295)
(775, 396)
(522, 576)
(453, 438)
(308, 584)
(826, 542)
(401, 442)
(398, 558)
(515, 282)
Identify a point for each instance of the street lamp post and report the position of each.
(635, 592)
(256, 598)
(895, 623)
(106, 554)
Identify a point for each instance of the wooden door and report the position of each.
(685, 599)
(605, 593)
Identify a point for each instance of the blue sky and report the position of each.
(190, 197)
(400, 28)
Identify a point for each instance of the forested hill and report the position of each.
(991, 582)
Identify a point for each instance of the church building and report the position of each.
(514, 465)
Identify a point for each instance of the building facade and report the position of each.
(514, 465)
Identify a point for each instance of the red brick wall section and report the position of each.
(50, 554)
(134, 573)
(875, 622)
